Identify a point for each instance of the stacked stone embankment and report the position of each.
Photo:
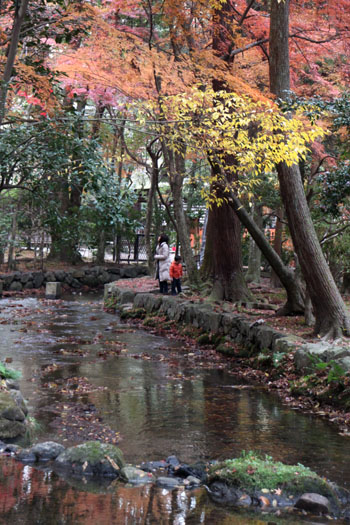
(254, 335)
(92, 277)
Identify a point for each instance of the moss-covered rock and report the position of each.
(12, 417)
(92, 459)
(252, 474)
(136, 313)
(11, 429)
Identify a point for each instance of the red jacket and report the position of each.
(175, 270)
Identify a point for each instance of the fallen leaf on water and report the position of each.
(113, 463)
(264, 501)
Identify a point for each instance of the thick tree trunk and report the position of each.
(222, 258)
(328, 306)
(254, 262)
(329, 309)
(224, 229)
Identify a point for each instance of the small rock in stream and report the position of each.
(135, 475)
(313, 503)
(47, 450)
(170, 483)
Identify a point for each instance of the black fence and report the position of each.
(129, 250)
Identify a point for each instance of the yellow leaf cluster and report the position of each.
(244, 137)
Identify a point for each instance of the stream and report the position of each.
(87, 375)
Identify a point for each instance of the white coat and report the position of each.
(163, 257)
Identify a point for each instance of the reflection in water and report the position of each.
(157, 412)
(30, 496)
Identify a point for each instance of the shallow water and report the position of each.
(158, 402)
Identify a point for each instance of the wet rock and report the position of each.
(135, 475)
(166, 482)
(47, 451)
(312, 502)
(13, 413)
(244, 501)
(151, 466)
(11, 429)
(10, 448)
(221, 493)
(198, 470)
(192, 482)
(26, 455)
(19, 399)
(9, 409)
(12, 384)
(172, 462)
(92, 459)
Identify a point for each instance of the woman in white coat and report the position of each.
(163, 263)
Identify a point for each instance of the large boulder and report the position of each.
(92, 459)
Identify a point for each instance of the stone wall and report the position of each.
(236, 328)
(255, 336)
(91, 277)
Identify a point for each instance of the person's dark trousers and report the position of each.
(175, 286)
(163, 287)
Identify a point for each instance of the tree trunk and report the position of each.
(295, 293)
(222, 258)
(277, 246)
(329, 309)
(101, 248)
(224, 228)
(20, 13)
(11, 261)
(254, 262)
(149, 213)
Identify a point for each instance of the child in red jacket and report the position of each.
(175, 275)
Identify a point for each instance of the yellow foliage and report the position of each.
(243, 137)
